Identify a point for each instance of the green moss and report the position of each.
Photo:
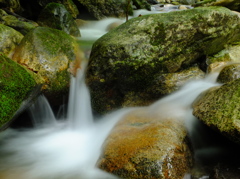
(51, 40)
(15, 85)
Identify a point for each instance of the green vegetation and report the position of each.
(15, 84)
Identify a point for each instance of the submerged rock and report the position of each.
(131, 56)
(15, 84)
(9, 38)
(142, 145)
(219, 109)
(51, 54)
(56, 16)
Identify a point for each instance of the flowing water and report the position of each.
(69, 148)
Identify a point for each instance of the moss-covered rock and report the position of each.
(51, 54)
(56, 16)
(9, 39)
(142, 145)
(219, 109)
(18, 24)
(69, 5)
(15, 86)
(131, 56)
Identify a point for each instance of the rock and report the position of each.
(18, 24)
(139, 147)
(169, 82)
(229, 73)
(56, 16)
(219, 109)
(103, 9)
(69, 5)
(159, 44)
(229, 54)
(51, 54)
(231, 4)
(9, 38)
(16, 84)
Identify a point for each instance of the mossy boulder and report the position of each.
(107, 8)
(143, 145)
(69, 5)
(15, 86)
(56, 16)
(131, 56)
(9, 39)
(18, 24)
(52, 55)
(219, 109)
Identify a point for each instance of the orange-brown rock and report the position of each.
(142, 145)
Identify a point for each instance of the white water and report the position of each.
(70, 148)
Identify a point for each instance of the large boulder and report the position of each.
(9, 39)
(144, 145)
(52, 55)
(56, 16)
(131, 57)
(219, 109)
(15, 86)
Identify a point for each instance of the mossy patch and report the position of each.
(15, 84)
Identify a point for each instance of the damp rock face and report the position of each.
(15, 86)
(9, 38)
(229, 73)
(142, 145)
(56, 16)
(52, 55)
(130, 57)
(219, 109)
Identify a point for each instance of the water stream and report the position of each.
(69, 148)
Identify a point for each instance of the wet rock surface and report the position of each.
(56, 16)
(131, 56)
(219, 109)
(142, 145)
(52, 55)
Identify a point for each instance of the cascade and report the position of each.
(69, 148)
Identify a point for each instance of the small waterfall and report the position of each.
(79, 102)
